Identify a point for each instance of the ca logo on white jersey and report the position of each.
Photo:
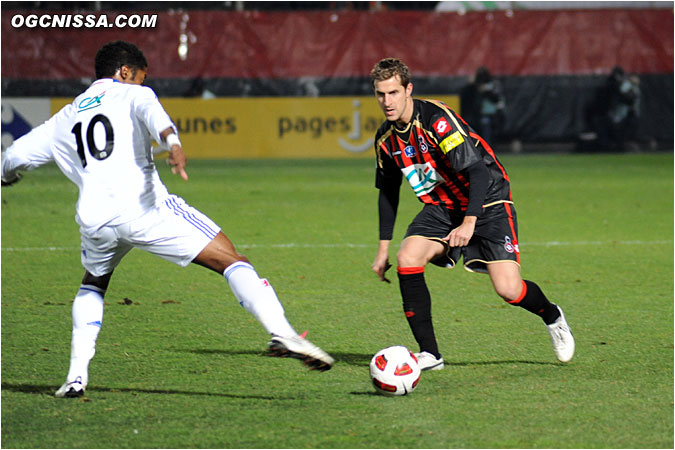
(422, 178)
(90, 102)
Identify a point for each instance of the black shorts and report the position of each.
(495, 238)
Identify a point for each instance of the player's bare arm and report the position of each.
(177, 159)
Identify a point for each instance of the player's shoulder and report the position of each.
(65, 115)
(431, 109)
(111, 87)
(140, 91)
(107, 87)
(438, 118)
(383, 131)
(136, 95)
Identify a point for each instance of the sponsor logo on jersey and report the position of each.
(90, 102)
(409, 151)
(422, 178)
(451, 141)
(509, 246)
(441, 126)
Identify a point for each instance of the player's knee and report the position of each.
(100, 282)
(509, 292)
(226, 259)
(408, 259)
(242, 258)
(219, 258)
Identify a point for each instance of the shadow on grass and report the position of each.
(363, 360)
(49, 390)
(503, 362)
(355, 359)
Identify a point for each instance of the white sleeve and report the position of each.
(31, 150)
(151, 112)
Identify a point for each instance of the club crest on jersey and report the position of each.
(423, 145)
(409, 151)
(441, 126)
(509, 246)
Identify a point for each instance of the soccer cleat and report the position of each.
(300, 348)
(427, 361)
(71, 389)
(8, 182)
(561, 337)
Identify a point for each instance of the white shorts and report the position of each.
(174, 231)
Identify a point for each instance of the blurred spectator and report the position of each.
(614, 114)
(198, 89)
(483, 105)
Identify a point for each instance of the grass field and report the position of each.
(180, 364)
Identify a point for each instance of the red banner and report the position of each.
(273, 45)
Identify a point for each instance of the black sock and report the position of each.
(417, 307)
(534, 300)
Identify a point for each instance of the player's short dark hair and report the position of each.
(114, 55)
(389, 67)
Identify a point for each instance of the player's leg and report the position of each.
(189, 236)
(101, 253)
(255, 294)
(496, 246)
(509, 285)
(258, 297)
(412, 258)
(87, 319)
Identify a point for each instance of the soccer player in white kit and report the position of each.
(102, 143)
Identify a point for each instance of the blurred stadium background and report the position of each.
(290, 79)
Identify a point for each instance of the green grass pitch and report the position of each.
(180, 364)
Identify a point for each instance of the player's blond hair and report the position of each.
(390, 67)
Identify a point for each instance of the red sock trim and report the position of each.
(409, 270)
(523, 293)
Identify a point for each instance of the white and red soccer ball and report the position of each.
(394, 371)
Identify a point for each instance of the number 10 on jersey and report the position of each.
(94, 151)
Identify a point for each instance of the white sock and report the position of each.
(257, 296)
(87, 319)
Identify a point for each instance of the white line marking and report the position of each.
(558, 243)
(40, 249)
(348, 245)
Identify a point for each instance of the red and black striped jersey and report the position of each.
(432, 152)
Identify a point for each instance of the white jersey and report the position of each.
(103, 143)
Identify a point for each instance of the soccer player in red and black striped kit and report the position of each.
(468, 210)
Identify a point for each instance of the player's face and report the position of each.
(138, 76)
(130, 75)
(394, 99)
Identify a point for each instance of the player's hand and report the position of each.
(380, 267)
(9, 182)
(177, 161)
(460, 236)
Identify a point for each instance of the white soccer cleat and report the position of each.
(300, 348)
(71, 389)
(427, 361)
(561, 337)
